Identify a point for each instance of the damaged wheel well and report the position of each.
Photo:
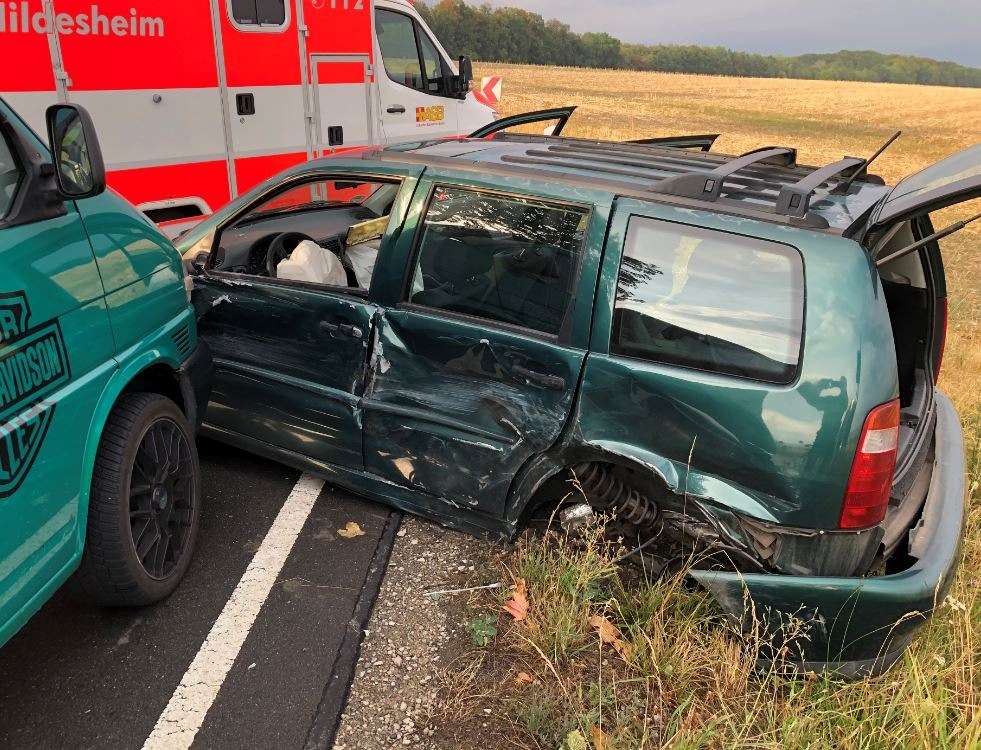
(669, 528)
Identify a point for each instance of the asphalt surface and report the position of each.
(82, 677)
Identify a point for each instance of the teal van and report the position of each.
(102, 381)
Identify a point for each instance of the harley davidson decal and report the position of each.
(33, 364)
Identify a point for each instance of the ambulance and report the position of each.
(197, 101)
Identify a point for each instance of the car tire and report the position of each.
(144, 507)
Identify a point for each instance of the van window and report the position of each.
(709, 301)
(10, 176)
(503, 258)
(261, 13)
(409, 55)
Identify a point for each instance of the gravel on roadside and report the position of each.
(412, 638)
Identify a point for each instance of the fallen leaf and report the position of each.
(351, 530)
(523, 679)
(599, 738)
(609, 633)
(517, 605)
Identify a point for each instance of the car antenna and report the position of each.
(863, 167)
(955, 227)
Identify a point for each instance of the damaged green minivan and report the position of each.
(736, 355)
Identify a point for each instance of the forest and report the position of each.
(517, 36)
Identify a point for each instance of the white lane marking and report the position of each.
(182, 718)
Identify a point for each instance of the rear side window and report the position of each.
(261, 13)
(502, 258)
(10, 175)
(709, 301)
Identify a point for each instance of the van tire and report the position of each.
(111, 572)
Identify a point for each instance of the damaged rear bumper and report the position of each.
(858, 627)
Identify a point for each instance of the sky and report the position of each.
(941, 29)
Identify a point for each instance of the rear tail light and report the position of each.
(943, 342)
(870, 480)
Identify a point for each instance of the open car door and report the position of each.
(560, 116)
(695, 142)
(952, 180)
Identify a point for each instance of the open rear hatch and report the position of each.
(905, 244)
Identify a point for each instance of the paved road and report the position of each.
(83, 677)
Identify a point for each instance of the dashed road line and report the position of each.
(185, 713)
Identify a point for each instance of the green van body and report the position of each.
(475, 423)
(92, 305)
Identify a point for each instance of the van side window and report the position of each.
(10, 176)
(502, 258)
(268, 15)
(710, 301)
(409, 55)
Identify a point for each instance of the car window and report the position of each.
(397, 39)
(10, 176)
(262, 13)
(710, 301)
(434, 66)
(502, 258)
(326, 232)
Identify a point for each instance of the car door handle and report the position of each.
(552, 382)
(396, 109)
(344, 329)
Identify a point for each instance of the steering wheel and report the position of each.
(281, 247)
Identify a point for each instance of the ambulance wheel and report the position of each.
(145, 505)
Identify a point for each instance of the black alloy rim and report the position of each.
(161, 498)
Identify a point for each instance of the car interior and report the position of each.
(327, 232)
(505, 260)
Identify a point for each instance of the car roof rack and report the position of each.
(769, 177)
(794, 200)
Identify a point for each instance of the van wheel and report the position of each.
(145, 505)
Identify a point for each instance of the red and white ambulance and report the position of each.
(198, 100)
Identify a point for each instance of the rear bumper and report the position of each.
(861, 626)
(196, 375)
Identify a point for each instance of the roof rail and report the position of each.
(795, 199)
(707, 186)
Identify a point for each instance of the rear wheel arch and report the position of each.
(547, 482)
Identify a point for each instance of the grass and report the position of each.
(679, 678)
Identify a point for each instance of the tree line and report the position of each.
(518, 36)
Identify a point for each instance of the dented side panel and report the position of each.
(446, 412)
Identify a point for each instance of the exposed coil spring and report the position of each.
(606, 491)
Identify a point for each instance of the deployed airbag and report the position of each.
(310, 262)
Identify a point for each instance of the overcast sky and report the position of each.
(942, 29)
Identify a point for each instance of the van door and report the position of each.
(342, 106)
(475, 366)
(413, 80)
(56, 356)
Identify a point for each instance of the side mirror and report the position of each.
(79, 169)
(465, 76)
